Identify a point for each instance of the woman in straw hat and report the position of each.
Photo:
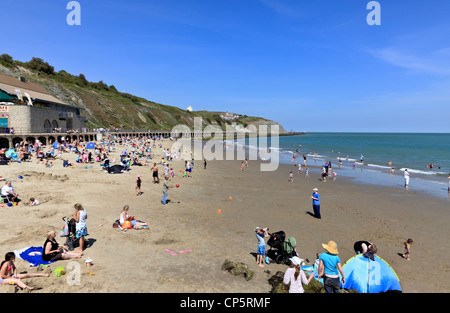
(330, 267)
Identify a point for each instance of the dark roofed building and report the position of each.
(30, 108)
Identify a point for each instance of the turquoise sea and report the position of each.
(413, 151)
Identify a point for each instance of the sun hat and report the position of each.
(315, 189)
(331, 247)
(296, 260)
(257, 228)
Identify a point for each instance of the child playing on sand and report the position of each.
(172, 172)
(407, 244)
(261, 251)
(125, 217)
(242, 166)
(33, 202)
(8, 273)
(138, 185)
(306, 172)
(291, 177)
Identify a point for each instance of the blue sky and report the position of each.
(310, 65)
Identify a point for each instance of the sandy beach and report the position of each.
(350, 212)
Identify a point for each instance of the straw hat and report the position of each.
(331, 247)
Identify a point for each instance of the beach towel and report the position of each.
(308, 269)
(33, 255)
(116, 224)
(115, 169)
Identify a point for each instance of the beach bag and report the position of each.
(65, 230)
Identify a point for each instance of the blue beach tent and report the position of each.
(90, 146)
(11, 153)
(56, 145)
(370, 276)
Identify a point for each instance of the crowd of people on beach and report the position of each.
(327, 266)
(137, 151)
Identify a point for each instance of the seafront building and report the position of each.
(29, 112)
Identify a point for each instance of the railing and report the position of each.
(25, 131)
(64, 131)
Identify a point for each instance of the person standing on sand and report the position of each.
(330, 267)
(165, 189)
(155, 173)
(295, 278)
(324, 174)
(138, 185)
(306, 172)
(407, 245)
(406, 176)
(316, 203)
(81, 228)
(261, 251)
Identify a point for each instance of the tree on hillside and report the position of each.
(6, 60)
(112, 88)
(82, 81)
(40, 65)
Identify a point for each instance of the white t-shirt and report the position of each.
(5, 190)
(122, 219)
(296, 285)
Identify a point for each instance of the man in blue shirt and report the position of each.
(316, 203)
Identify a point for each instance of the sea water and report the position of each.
(380, 152)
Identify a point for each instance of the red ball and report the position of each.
(177, 185)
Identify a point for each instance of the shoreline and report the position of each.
(425, 182)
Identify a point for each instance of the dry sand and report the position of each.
(137, 261)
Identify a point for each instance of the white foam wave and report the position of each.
(379, 166)
(411, 170)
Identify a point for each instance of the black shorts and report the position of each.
(155, 174)
(55, 256)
